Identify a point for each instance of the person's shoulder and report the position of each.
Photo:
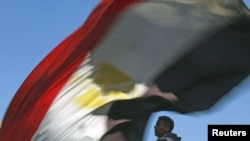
(173, 137)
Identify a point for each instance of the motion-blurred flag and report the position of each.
(123, 45)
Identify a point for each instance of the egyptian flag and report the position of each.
(124, 45)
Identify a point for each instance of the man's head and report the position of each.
(163, 125)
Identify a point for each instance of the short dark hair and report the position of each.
(167, 122)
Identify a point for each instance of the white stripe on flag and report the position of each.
(70, 117)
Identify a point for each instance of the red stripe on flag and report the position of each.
(34, 97)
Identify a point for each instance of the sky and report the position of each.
(30, 29)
